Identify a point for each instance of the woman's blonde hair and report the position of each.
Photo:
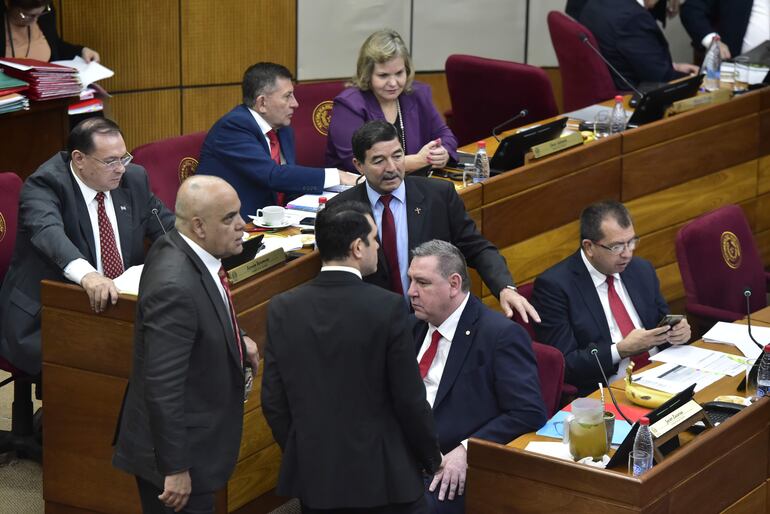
(381, 47)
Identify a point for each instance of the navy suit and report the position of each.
(573, 318)
(630, 39)
(236, 150)
(489, 388)
(728, 18)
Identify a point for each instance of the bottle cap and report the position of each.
(321, 200)
(767, 348)
(644, 421)
(618, 98)
(481, 144)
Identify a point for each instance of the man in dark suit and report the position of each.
(340, 388)
(603, 297)
(83, 217)
(420, 209)
(252, 146)
(478, 367)
(180, 427)
(630, 39)
(741, 24)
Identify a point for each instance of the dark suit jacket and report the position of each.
(729, 18)
(236, 150)
(343, 396)
(435, 211)
(60, 49)
(184, 406)
(573, 318)
(630, 39)
(54, 229)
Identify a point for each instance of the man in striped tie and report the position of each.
(478, 368)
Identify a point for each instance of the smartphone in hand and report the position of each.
(670, 320)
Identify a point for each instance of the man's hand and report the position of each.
(679, 333)
(89, 55)
(724, 50)
(510, 300)
(451, 476)
(252, 353)
(176, 491)
(640, 340)
(100, 290)
(684, 67)
(347, 178)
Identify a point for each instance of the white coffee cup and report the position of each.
(271, 215)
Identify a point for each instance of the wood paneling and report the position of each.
(202, 106)
(253, 477)
(220, 42)
(147, 116)
(256, 433)
(764, 174)
(530, 257)
(755, 501)
(139, 39)
(670, 282)
(437, 83)
(762, 213)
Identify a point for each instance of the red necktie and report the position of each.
(389, 246)
(430, 354)
(233, 319)
(112, 265)
(623, 320)
(275, 154)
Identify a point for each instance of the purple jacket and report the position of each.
(353, 107)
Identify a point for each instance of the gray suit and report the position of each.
(55, 229)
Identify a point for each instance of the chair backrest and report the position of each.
(10, 188)
(550, 370)
(487, 92)
(585, 78)
(525, 290)
(169, 162)
(311, 120)
(718, 258)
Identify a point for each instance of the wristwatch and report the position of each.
(512, 288)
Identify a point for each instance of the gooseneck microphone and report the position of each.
(595, 353)
(521, 114)
(584, 39)
(755, 368)
(155, 212)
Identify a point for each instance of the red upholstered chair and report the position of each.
(21, 438)
(718, 259)
(550, 370)
(585, 78)
(168, 162)
(311, 120)
(487, 92)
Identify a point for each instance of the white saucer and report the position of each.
(258, 222)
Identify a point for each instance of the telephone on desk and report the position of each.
(717, 412)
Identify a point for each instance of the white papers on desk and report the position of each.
(738, 335)
(88, 72)
(702, 359)
(309, 203)
(128, 282)
(756, 72)
(589, 113)
(673, 378)
(558, 450)
(287, 243)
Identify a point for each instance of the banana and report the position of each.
(642, 395)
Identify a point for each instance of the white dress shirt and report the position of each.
(348, 269)
(757, 30)
(79, 268)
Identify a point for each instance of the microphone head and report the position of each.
(154, 211)
(583, 37)
(746, 292)
(523, 113)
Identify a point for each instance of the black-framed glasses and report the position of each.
(25, 16)
(113, 164)
(617, 248)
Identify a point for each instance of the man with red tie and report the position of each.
(478, 368)
(84, 216)
(603, 297)
(252, 146)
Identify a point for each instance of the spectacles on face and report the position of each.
(114, 164)
(26, 16)
(617, 248)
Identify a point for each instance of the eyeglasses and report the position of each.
(24, 16)
(113, 164)
(618, 248)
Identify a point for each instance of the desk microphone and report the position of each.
(155, 212)
(521, 114)
(755, 368)
(584, 39)
(595, 353)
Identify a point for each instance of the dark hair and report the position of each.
(28, 4)
(592, 217)
(81, 137)
(369, 134)
(338, 225)
(450, 259)
(260, 78)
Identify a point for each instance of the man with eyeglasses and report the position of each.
(605, 298)
(84, 216)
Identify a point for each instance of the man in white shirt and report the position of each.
(84, 216)
(742, 24)
(478, 368)
(603, 298)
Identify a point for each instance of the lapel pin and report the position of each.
(418, 210)
(467, 332)
(122, 207)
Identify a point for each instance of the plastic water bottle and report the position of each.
(321, 204)
(481, 163)
(763, 376)
(618, 117)
(712, 64)
(643, 442)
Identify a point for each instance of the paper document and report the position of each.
(128, 282)
(89, 72)
(558, 450)
(309, 202)
(589, 113)
(738, 335)
(673, 378)
(702, 359)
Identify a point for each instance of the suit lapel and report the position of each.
(84, 219)
(121, 202)
(415, 213)
(458, 350)
(587, 289)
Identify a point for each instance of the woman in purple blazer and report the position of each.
(384, 88)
